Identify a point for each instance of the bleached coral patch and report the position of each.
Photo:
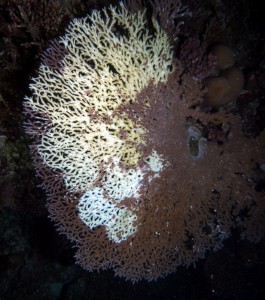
(103, 205)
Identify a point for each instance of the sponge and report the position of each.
(224, 88)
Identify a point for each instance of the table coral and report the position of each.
(108, 120)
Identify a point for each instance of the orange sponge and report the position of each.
(223, 88)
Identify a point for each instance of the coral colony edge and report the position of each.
(129, 177)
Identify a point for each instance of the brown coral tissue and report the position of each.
(174, 203)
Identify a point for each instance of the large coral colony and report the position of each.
(119, 139)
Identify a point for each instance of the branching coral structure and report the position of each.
(111, 142)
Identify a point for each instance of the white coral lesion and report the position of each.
(106, 202)
(101, 70)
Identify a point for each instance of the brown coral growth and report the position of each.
(190, 209)
(205, 188)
